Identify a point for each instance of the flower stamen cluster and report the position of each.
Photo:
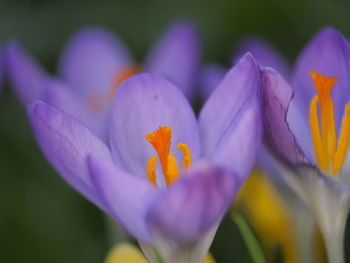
(330, 153)
(161, 141)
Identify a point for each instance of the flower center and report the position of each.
(161, 141)
(97, 101)
(330, 152)
(126, 73)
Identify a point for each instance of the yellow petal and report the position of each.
(209, 258)
(125, 253)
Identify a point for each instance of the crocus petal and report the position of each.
(299, 126)
(236, 92)
(328, 54)
(330, 202)
(66, 144)
(91, 62)
(127, 196)
(277, 94)
(142, 104)
(175, 251)
(62, 97)
(264, 54)
(328, 199)
(57, 94)
(193, 205)
(210, 77)
(176, 56)
(239, 145)
(25, 74)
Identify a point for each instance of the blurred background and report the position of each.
(41, 218)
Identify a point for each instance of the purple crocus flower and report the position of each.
(93, 65)
(2, 69)
(25, 74)
(173, 210)
(307, 125)
(262, 51)
(210, 77)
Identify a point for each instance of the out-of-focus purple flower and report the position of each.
(93, 65)
(25, 74)
(172, 208)
(2, 69)
(263, 53)
(307, 125)
(210, 77)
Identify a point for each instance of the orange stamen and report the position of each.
(172, 171)
(330, 154)
(161, 141)
(151, 170)
(324, 86)
(187, 160)
(126, 73)
(316, 135)
(343, 141)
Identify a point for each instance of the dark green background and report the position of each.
(41, 218)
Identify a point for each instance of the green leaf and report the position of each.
(249, 238)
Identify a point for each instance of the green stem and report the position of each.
(249, 238)
(158, 257)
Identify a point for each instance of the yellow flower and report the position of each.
(127, 253)
(209, 258)
(268, 215)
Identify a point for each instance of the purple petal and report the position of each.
(328, 54)
(239, 145)
(210, 77)
(127, 196)
(2, 70)
(62, 97)
(277, 94)
(176, 56)
(265, 55)
(193, 205)
(91, 62)
(142, 104)
(57, 94)
(327, 197)
(66, 144)
(238, 90)
(299, 126)
(25, 74)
